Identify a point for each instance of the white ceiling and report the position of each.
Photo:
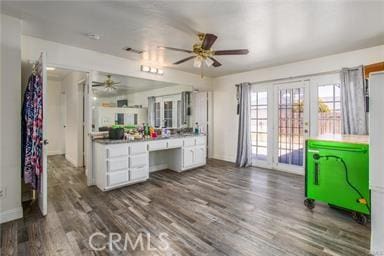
(275, 32)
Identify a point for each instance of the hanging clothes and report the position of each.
(32, 134)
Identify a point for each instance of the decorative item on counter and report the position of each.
(165, 133)
(197, 128)
(116, 133)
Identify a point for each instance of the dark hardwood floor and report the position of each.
(215, 210)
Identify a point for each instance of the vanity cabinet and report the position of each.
(194, 152)
(120, 164)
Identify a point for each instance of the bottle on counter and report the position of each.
(146, 129)
(197, 128)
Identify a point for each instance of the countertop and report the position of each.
(358, 139)
(109, 141)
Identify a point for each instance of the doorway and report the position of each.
(280, 125)
(62, 130)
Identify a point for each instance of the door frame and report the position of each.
(90, 76)
(290, 85)
(43, 193)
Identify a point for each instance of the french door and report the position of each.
(280, 125)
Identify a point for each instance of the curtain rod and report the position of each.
(296, 77)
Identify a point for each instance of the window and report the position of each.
(168, 115)
(157, 114)
(259, 123)
(329, 110)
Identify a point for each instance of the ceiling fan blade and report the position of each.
(208, 41)
(97, 85)
(94, 82)
(183, 60)
(232, 52)
(113, 83)
(175, 49)
(215, 62)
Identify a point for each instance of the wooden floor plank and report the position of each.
(214, 210)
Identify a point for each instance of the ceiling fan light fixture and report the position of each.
(209, 62)
(197, 62)
(109, 89)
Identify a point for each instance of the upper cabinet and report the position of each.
(170, 111)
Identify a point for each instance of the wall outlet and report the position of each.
(3, 193)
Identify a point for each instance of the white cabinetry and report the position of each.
(117, 165)
(194, 152)
(120, 164)
(376, 153)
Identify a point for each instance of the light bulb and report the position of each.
(197, 62)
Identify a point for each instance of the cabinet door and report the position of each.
(188, 157)
(200, 158)
(139, 173)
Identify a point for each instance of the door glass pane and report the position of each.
(329, 113)
(157, 114)
(291, 131)
(168, 114)
(259, 125)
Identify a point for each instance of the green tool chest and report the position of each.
(337, 173)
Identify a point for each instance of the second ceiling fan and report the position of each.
(203, 52)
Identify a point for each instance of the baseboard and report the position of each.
(158, 167)
(55, 152)
(71, 160)
(10, 215)
(224, 158)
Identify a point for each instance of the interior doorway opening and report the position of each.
(64, 130)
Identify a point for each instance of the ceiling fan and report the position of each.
(109, 84)
(203, 52)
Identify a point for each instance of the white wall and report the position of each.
(225, 119)
(86, 60)
(74, 118)
(10, 109)
(55, 117)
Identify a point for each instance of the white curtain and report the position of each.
(151, 110)
(244, 145)
(353, 101)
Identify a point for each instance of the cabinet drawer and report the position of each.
(117, 150)
(139, 173)
(189, 142)
(138, 148)
(175, 143)
(117, 164)
(157, 145)
(200, 140)
(138, 161)
(116, 178)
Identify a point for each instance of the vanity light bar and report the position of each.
(152, 70)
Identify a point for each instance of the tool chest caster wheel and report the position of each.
(309, 203)
(360, 218)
